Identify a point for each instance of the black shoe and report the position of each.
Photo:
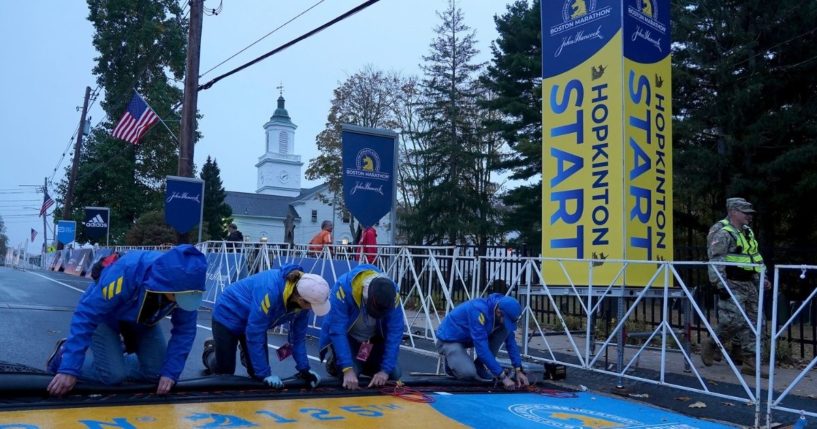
(331, 368)
(243, 355)
(209, 348)
(52, 365)
(448, 371)
(482, 371)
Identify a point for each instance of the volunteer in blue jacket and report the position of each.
(248, 308)
(117, 318)
(364, 328)
(484, 324)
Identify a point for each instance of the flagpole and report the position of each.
(45, 228)
(167, 128)
(157, 116)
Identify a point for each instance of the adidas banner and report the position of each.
(96, 220)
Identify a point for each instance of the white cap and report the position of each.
(314, 289)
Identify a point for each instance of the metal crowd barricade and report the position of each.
(648, 363)
(776, 400)
(433, 280)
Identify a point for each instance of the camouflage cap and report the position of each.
(739, 204)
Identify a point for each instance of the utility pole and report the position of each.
(191, 90)
(72, 182)
(45, 228)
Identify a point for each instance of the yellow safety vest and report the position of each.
(746, 248)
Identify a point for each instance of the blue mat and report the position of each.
(584, 411)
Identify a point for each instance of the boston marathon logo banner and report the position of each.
(368, 172)
(606, 178)
(183, 202)
(96, 222)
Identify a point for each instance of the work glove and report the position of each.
(311, 377)
(274, 381)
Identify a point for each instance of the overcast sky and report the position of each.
(48, 58)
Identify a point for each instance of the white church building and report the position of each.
(279, 197)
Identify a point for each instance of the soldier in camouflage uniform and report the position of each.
(732, 240)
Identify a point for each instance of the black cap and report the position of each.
(381, 297)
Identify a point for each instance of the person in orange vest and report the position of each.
(322, 238)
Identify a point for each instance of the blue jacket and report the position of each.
(251, 306)
(118, 296)
(346, 307)
(470, 323)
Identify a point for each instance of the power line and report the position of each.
(213, 12)
(351, 12)
(71, 140)
(315, 31)
(262, 38)
(94, 96)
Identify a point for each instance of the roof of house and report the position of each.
(261, 205)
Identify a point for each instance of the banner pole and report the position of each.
(201, 212)
(108, 230)
(395, 175)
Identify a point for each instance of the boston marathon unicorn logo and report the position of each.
(564, 417)
(574, 10)
(579, 8)
(367, 164)
(367, 169)
(650, 29)
(581, 21)
(367, 160)
(646, 8)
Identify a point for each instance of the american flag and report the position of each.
(47, 202)
(33, 234)
(136, 120)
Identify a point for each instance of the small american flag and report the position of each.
(136, 121)
(47, 202)
(33, 234)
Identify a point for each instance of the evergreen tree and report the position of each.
(744, 79)
(216, 212)
(150, 230)
(141, 46)
(514, 77)
(452, 209)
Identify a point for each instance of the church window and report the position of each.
(314, 216)
(282, 143)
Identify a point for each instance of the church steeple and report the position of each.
(279, 168)
(281, 113)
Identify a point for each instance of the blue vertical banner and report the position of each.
(66, 231)
(369, 163)
(184, 202)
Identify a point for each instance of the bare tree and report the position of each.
(365, 99)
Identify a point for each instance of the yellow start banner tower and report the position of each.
(607, 139)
